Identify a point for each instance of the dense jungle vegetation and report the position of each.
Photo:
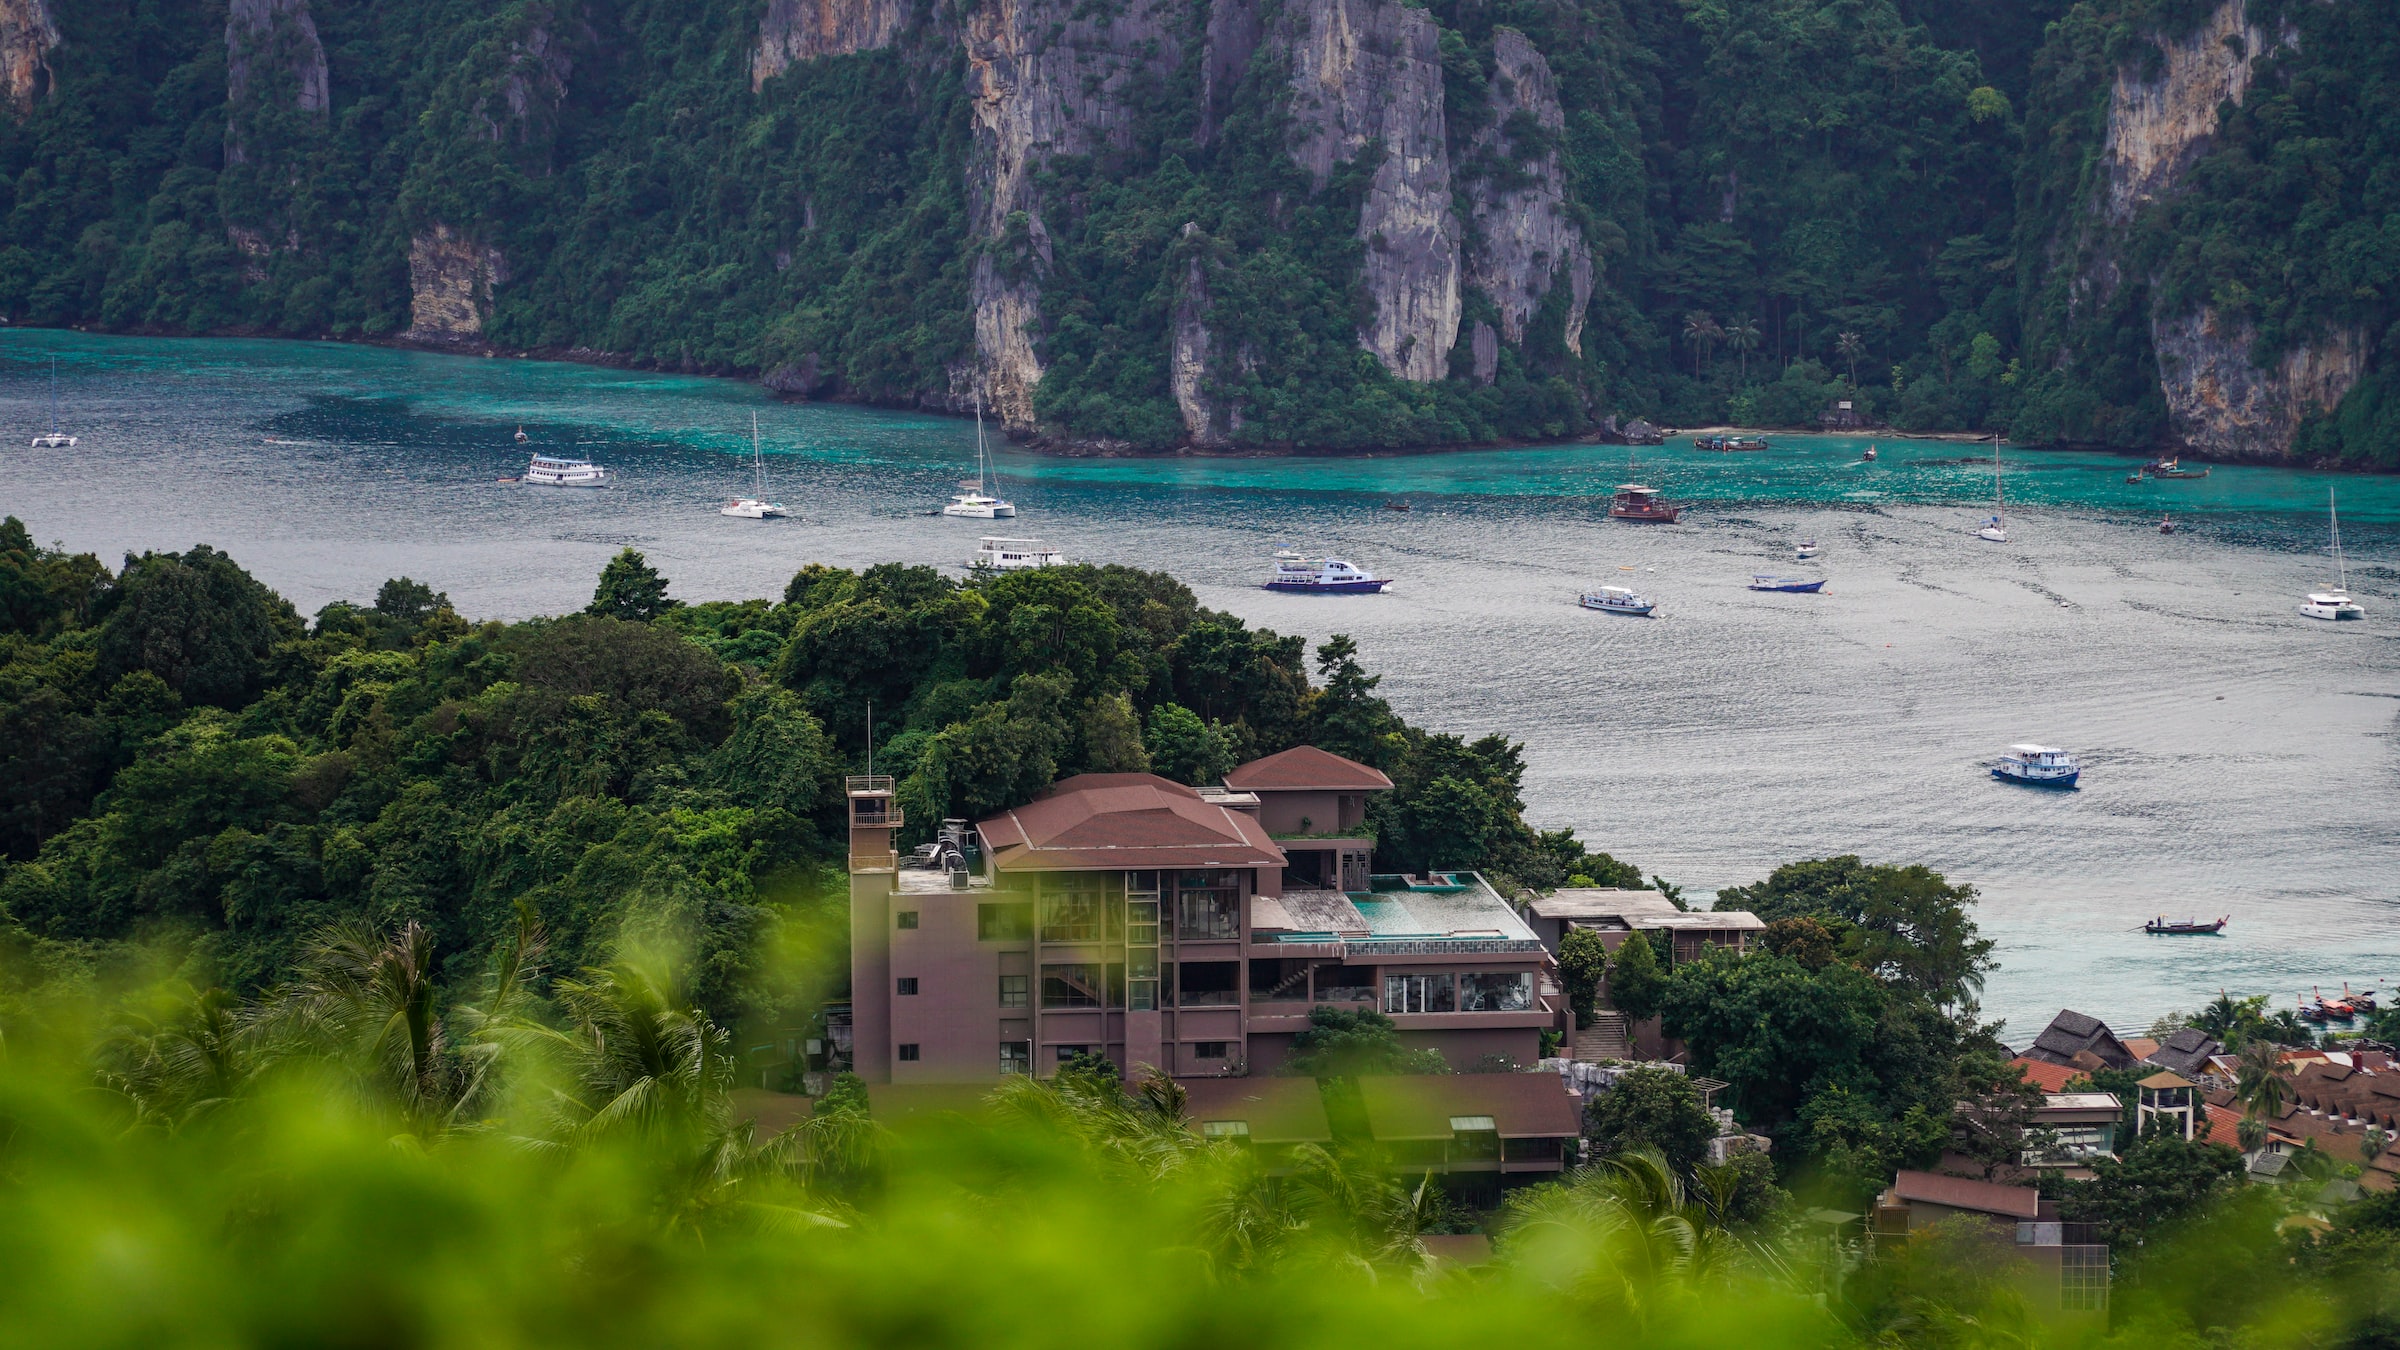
(1790, 202)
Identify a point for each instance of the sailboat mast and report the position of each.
(1999, 497)
(2341, 569)
(982, 455)
(758, 465)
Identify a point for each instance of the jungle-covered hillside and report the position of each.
(1211, 223)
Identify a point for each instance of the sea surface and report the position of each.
(2240, 760)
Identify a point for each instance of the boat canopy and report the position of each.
(1634, 487)
(2031, 750)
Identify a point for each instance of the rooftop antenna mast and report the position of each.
(870, 738)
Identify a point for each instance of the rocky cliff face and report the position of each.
(2158, 123)
(794, 31)
(277, 36)
(2220, 403)
(1366, 72)
(1044, 78)
(27, 34)
(450, 281)
(1524, 244)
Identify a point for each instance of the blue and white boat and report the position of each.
(2038, 766)
(1617, 600)
(1760, 581)
(1300, 575)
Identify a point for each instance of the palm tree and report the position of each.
(370, 1002)
(1743, 338)
(202, 1053)
(1628, 1232)
(1700, 329)
(1851, 347)
(2261, 1085)
(644, 1064)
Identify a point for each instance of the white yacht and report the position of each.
(1618, 600)
(1298, 574)
(54, 439)
(994, 554)
(758, 507)
(2334, 604)
(975, 503)
(573, 473)
(2038, 766)
(1995, 530)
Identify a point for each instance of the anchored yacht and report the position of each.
(54, 439)
(975, 503)
(1299, 575)
(758, 507)
(1617, 600)
(2334, 604)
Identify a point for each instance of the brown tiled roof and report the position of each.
(1277, 1110)
(1521, 1105)
(1983, 1197)
(1098, 821)
(1306, 768)
(2047, 1077)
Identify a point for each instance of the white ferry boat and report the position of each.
(573, 473)
(1298, 575)
(2038, 765)
(993, 554)
(1618, 600)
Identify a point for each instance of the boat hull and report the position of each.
(1789, 588)
(2334, 613)
(1002, 512)
(1646, 516)
(1635, 611)
(2185, 929)
(1368, 586)
(2063, 780)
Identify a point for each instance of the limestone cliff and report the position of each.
(1044, 78)
(2221, 403)
(2160, 116)
(1368, 73)
(1523, 242)
(27, 35)
(794, 31)
(276, 37)
(450, 281)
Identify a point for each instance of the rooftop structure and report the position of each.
(1475, 1122)
(2071, 1034)
(2066, 1269)
(2186, 1052)
(1616, 913)
(1305, 768)
(1098, 821)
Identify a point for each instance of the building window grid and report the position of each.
(907, 985)
(908, 1052)
(1412, 993)
(1014, 990)
(2083, 1279)
(906, 918)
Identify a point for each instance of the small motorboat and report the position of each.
(2182, 927)
(1298, 575)
(2334, 1009)
(1869, 457)
(1731, 444)
(2172, 468)
(2165, 525)
(2038, 766)
(2134, 477)
(2310, 1012)
(1806, 550)
(1397, 506)
(1637, 503)
(1760, 581)
(1617, 600)
(994, 554)
(567, 473)
(521, 436)
(2364, 1001)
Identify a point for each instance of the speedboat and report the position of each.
(758, 507)
(994, 554)
(1870, 455)
(1617, 600)
(1635, 502)
(972, 502)
(2172, 468)
(2038, 766)
(1760, 581)
(2334, 604)
(573, 473)
(2165, 525)
(1806, 551)
(1299, 575)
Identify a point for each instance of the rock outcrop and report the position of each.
(2160, 120)
(1044, 78)
(1368, 73)
(1524, 243)
(273, 37)
(28, 32)
(2220, 403)
(450, 281)
(1193, 373)
(794, 31)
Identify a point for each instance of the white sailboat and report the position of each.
(1996, 529)
(2334, 604)
(975, 503)
(56, 439)
(758, 507)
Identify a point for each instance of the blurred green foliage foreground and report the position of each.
(352, 1159)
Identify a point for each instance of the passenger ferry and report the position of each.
(1635, 502)
(1321, 576)
(1617, 600)
(994, 554)
(2038, 766)
(574, 473)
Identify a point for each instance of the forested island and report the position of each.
(1244, 226)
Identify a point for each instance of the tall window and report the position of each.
(1016, 1057)
(1013, 991)
(1074, 984)
(1207, 984)
(1208, 905)
(1073, 908)
(1495, 991)
(1420, 993)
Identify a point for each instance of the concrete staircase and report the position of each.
(1606, 1038)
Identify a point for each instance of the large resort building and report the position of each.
(1192, 929)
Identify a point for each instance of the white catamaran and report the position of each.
(758, 507)
(56, 439)
(1996, 529)
(975, 503)
(2336, 603)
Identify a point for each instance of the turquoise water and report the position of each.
(2239, 759)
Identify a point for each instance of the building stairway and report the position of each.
(1606, 1038)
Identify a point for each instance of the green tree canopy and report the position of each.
(1654, 1109)
(630, 589)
